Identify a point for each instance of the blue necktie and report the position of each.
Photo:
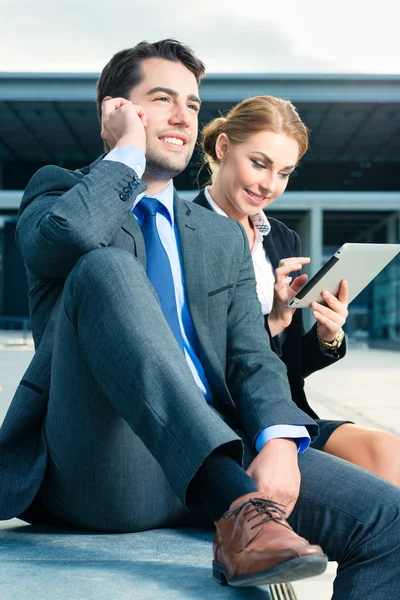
(158, 265)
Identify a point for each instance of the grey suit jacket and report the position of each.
(65, 214)
(300, 351)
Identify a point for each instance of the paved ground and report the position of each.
(174, 565)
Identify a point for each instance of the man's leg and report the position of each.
(125, 416)
(124, 413)
(355, 517)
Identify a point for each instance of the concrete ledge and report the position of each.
(45, 563)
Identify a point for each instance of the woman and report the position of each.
(252, 153)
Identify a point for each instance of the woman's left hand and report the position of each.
(332, 317)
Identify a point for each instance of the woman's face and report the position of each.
(256, 172)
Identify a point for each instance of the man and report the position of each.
(161, 370)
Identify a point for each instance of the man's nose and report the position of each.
(181, 115)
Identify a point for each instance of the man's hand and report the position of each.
(123, 123)
(276, 472)
(280, 316)
(332, 317)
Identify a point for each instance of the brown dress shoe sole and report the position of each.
(292, 570)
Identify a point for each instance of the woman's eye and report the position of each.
(257, 165)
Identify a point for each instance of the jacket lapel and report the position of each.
(201, 200)
(193, 266)
(271, 250)
(195, 277)
(131, 227)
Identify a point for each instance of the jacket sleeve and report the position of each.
(256, 377)
(65, 214)
(314, 358)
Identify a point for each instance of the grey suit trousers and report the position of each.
(127, 428)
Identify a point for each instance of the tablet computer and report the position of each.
(358, 264)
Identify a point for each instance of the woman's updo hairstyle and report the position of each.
(254, 115)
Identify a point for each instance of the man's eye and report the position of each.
(163, 98)
(194, 107)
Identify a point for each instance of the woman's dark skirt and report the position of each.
(326, 428)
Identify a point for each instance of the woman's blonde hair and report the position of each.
(254, 115)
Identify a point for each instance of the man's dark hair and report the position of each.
(123, 71)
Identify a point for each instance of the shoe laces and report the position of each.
(259, 507)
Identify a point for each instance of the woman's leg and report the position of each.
(375, 450)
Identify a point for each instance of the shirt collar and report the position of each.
(260, 220)
(166, 197)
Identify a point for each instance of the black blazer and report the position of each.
(300, 351)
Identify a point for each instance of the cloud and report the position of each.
(252, 45)
(81, 35)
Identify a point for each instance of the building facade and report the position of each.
(346, 189)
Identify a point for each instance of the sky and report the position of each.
(230, 36)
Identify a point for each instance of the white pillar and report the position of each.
(311, 235)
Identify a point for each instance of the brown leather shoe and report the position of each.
(254, 545)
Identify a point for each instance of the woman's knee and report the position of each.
(375, 450)
(384, 451)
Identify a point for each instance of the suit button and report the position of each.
(124, 196)
(133, 184)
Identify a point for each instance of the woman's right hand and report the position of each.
(285, 290)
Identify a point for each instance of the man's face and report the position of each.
(169, 97)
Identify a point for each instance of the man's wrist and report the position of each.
(128, 140)
(287, 443)
(130, 156)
